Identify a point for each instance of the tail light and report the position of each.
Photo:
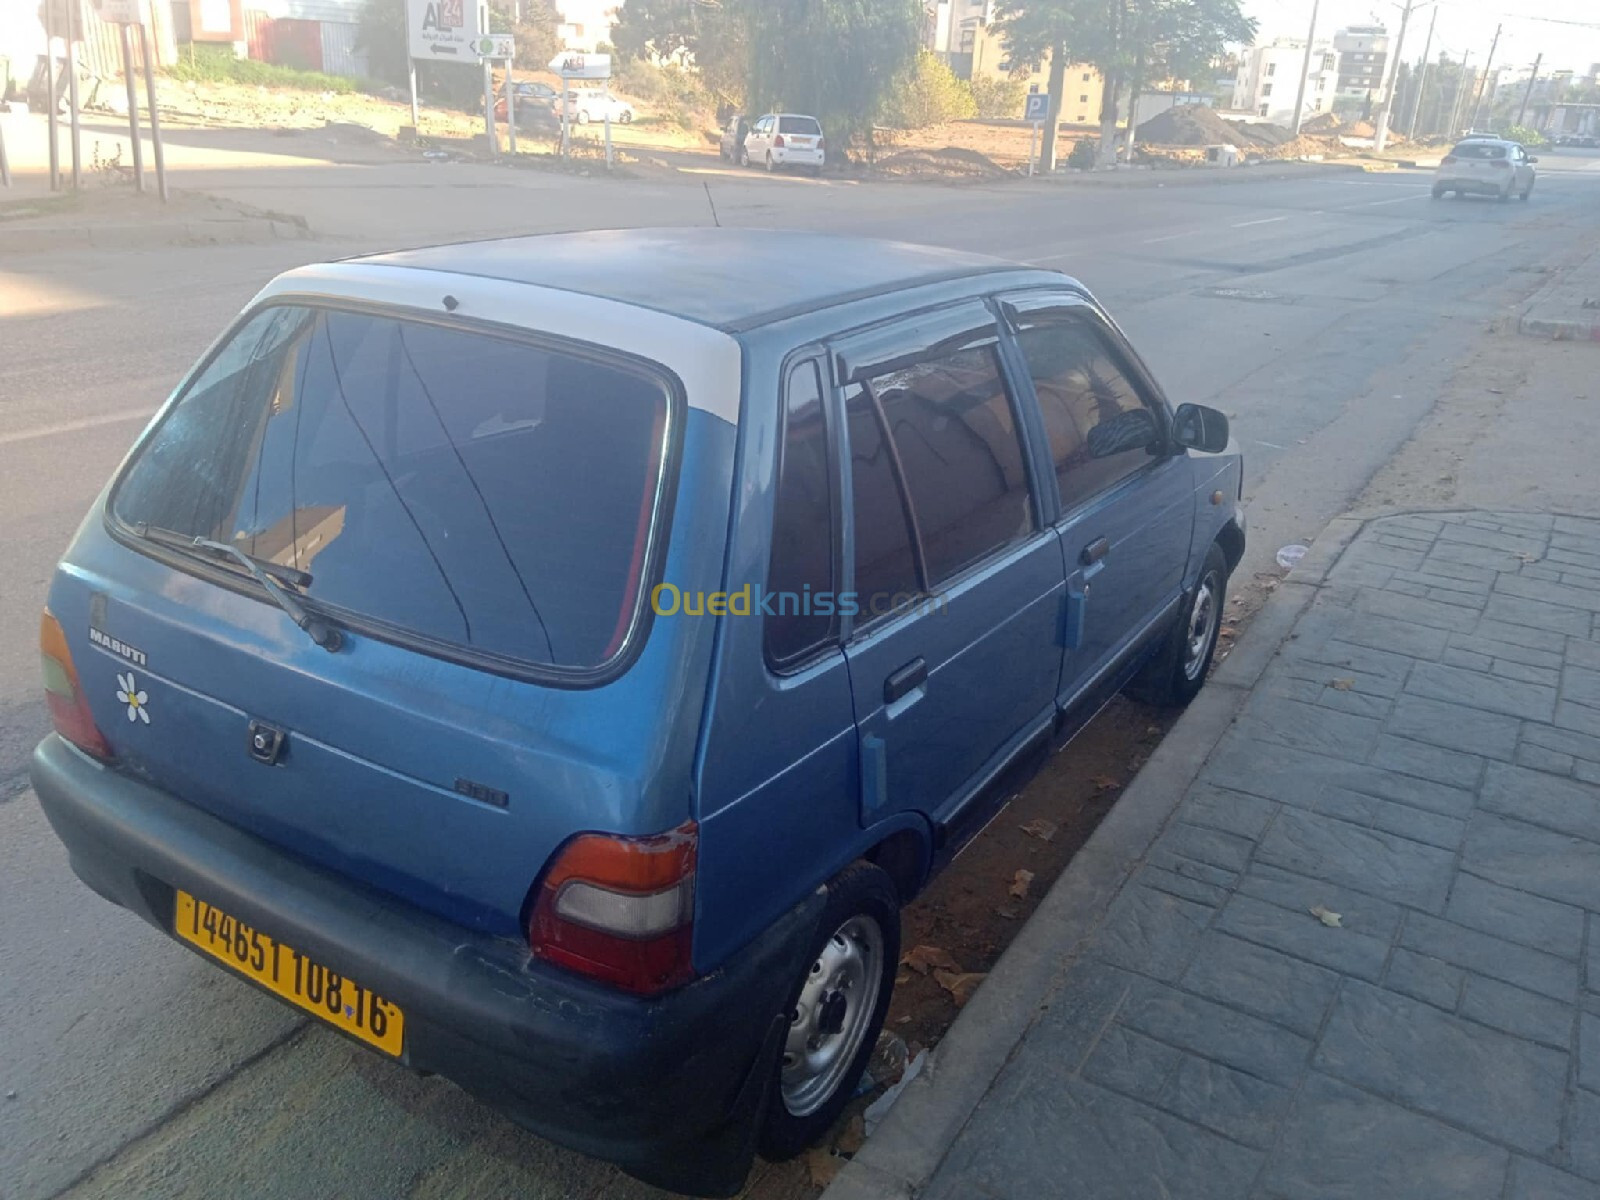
(620, 909)
(69, 710)
(820, 140)
(778, 141)
(1447, 160)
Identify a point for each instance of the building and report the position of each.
(1363, 52)
(948, 18)
(22, 42)
(983, 53)
(586, 25)
(1268, 79)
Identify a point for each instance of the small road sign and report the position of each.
(121, 12)
(1038, 107)
(496, 46)
(571, 65)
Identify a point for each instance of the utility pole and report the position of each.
(1487, 66)
(1458, 101)
(1305, 72)
(1380, 136)
(1528, 94)
(1422, 76)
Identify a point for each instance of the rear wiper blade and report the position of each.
(320, 632)
(187, 541)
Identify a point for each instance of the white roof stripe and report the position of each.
(705, 359)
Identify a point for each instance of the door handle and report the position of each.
(906, 680)
(1094, 551)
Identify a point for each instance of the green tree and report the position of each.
(998, 97)
(713, 35)
(930, 94)
(834, 59)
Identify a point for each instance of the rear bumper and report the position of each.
(672, 1088)
(787, 157)
(1487, 185)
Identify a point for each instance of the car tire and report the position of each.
(744, 156)
(1438, 192)
(583, 116)
(1178, 671)
(626, 116)
(857, 947)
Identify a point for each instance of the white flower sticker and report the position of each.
(128, 693)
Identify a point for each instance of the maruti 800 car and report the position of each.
(554, 662)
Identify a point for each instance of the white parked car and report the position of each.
(784, 140)
(1487, 165)
(591, 104)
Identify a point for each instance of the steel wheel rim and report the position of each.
(1202, 627)
(831, 1018)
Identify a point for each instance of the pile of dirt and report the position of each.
(948, 162)
(1197, 125)
(1324, 122)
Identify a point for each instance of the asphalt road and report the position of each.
(1322, 314)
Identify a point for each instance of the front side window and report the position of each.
(478, 491)
(800, 576)
(955, 434)
(1100, 429)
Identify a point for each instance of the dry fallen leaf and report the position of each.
(1342, 685)
(960, 986)
(1040, 828)
(853, 1136)
(923, 959)
(1327, 917)
(1104, 783)
(1524, 556)
(822, 1165)
(1020, 883)
(1227, 631)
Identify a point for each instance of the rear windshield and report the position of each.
(799, 125)
(477, 490)
(1479, 150)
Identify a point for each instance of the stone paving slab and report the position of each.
(1213, 1037)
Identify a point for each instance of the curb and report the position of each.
(197, 232)
(1557, 330)
(1201, 176)
(900, 1159)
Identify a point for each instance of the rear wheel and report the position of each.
(744, 157)
(1527, 191)
(836, 1009)
(583, 116)
(1438, 191)
(1177, 672)
(627, 116)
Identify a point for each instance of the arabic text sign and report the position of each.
(444, 30)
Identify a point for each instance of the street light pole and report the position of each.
(1305, 72)
(1528, 94)
(1380, 136)
(1487, 67)
(1422, 77)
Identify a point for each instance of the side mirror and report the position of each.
(1196, 427)
(1532, 158)
(1132, 429)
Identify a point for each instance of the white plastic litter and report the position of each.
(1289, 555)
(879, 1108)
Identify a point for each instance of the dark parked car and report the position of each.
(731, 144)
(537, 105)
(551, 671)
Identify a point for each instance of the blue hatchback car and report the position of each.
(553, 662)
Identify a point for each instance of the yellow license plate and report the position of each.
(285, 972)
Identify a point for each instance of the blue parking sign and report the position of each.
(1038, 107)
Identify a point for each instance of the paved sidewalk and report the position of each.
(1421, 757)
(1567, 308)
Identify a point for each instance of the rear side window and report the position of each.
(802, 529)
(1479, 150)
(954, 431)
(800, 125)
(479, 491)
(1098, 427)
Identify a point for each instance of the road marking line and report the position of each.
(1170, 237)
(1393, 199)
(44, 431)
(1269, 445)
(1262, 221)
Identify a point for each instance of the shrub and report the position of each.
(930, 94)
(216, 64)
(998, 97)
(1528, 137)
(1083, 154)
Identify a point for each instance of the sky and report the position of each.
(1568, 35)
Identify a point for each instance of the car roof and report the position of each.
(730, 279)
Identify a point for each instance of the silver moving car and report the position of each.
(1490, 166)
